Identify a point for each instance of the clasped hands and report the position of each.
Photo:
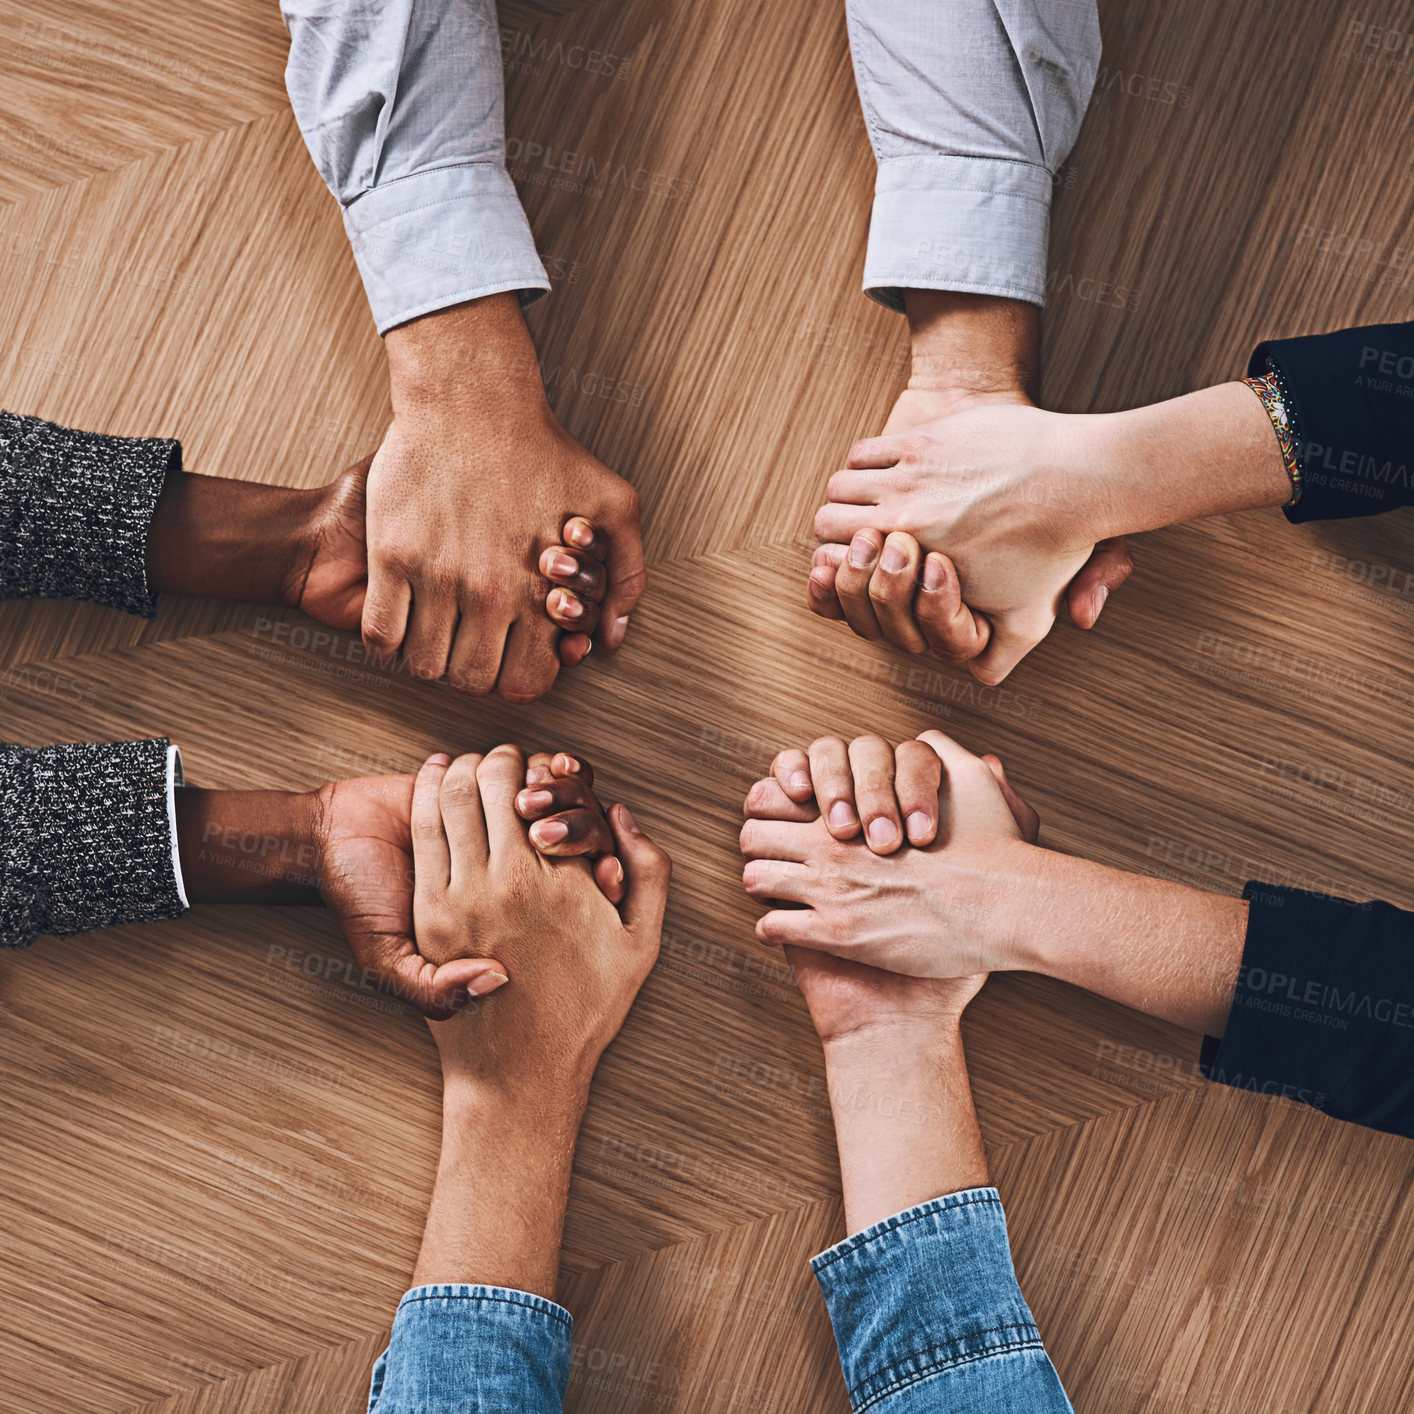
(965, 533)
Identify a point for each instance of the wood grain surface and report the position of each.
(217, 1149)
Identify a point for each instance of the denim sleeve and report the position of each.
(1323, 1012)
(928, 1316)
(402, 107)
(1350, 399)
(971, 106)
(473, 1350)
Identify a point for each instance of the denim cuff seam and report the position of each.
(494, 1300)
(897, 1224)
(941, 1367)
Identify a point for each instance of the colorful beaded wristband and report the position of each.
(1269, 389)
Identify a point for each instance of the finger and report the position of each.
(563, 764)
(792, 769)
(871, 762)
(891, 592)
(463, 820)
(777, 880)
(531, 664)
(581, 534)
(852, 583)
(609, 875)
(574, 569)
(767, 801)
(777, 839)
(1027, 820)
(570, 612)
(431, 855)
(647, 871)
(918, 776)
(951, 629)
(834, 786)
(477, 650)
(1109, 565)
(537, 767)
(498, 778)
(552, 795)
(385, 610)
(441, 992)
(820, 593)
(800, 927)
(875, 452)
(574, 648)
(627, 575)
(853, 488)
(1009, 644)
(573, 832)
(839, 522)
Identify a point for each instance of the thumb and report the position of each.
(627, 574)
(647, 870)
(1027, 820)
(1011, 641)
(440, 992)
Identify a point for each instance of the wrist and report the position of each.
(248, 846)
(226, 539)
(478, 358)
(973, 347)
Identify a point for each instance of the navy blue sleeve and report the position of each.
(1350, 400)
(1324, 1008)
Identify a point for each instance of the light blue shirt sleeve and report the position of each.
(402, 106)
(971, 107)
(928, 1316)
(459, 1349)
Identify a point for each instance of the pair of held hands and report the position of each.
(964, 528)
(378, 556)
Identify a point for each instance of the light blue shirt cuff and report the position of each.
(973, 224)
(439, 237)
(928, 1316)
(458, 1349)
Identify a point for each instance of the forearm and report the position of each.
(226, 539)
(904, 1120)
(498, 1208)
(248, 846)
(1207, 453)
(1150, 944)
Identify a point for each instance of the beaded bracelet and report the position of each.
(1274, 399)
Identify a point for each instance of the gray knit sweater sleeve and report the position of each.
(74, 512)
(87, 838)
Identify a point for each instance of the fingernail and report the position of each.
(800, 780)
(569, 764)
(882, 831)
(535, 799)
(440, 759)
(620, 627)
(486, 982)
(563, 565)
(861, 552)
(841, 815)
(618, 872)
(918, 825)
(548, 832)
(934, 575)
(535, 774)
(893, 559)
(627, 821)
(1101, 594)
(568, 605)
(578, 533)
